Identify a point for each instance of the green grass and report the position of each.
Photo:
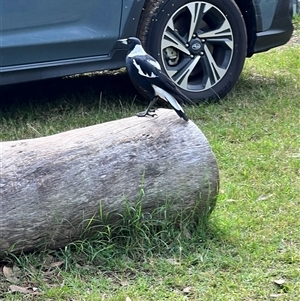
(253, 236)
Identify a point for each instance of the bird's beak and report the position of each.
(123, 41)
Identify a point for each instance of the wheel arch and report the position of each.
(148, 4)
(131, 19)
(249, 14)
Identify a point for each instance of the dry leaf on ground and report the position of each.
(24, 290)
(187, 289)
(12, 274)
(279, 282)
(56, 264)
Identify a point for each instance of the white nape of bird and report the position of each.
(145, 72)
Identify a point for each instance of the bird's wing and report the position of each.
(148, 67)
(164, 82)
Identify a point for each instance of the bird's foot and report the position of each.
(146, 113)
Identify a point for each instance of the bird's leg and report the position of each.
(145, 113)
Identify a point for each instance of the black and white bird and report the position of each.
(145, 72)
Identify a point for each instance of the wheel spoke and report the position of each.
(197, 11)
(213, 70)
(222, 34)
(172, 39)
(181, 76)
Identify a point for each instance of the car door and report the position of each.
(39, 31)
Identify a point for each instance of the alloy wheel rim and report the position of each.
(197, 46)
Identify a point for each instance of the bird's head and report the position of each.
(130, 42)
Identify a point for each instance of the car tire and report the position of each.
(201, 45)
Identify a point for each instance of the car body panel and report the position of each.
(41, 30)
(265, 11)
(113, 58)
(278, 27)
(131, 14)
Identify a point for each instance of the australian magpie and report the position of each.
(145, 72)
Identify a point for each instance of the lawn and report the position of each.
(250, 248)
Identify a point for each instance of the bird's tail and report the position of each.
(181, 114)
(182, 98)
(171, 99)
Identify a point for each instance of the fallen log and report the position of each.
(51, 185)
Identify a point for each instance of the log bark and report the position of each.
(51, 185)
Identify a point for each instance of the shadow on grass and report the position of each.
(111, 85)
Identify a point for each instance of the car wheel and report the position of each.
(201, 45)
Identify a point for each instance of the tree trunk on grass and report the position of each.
(52, 186)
